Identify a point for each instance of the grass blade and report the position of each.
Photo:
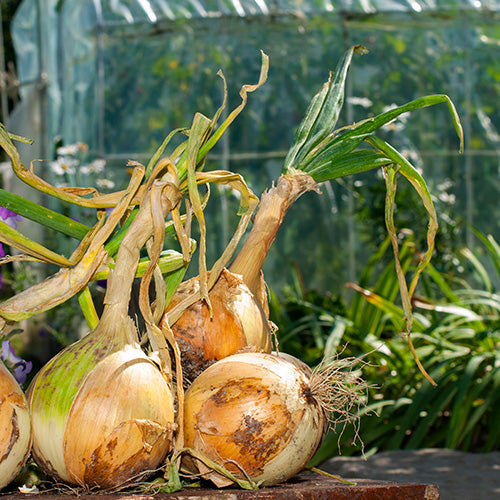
(479, 268)
(461, 409)
(421, 400)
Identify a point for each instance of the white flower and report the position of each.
(398, 123)
(445, 185)
(360, 101)
(105, 184)
(413, 157)
(96, 167)
(395, 126)
(70, 149)
(63, 165)
(445, 197)
(99, 164)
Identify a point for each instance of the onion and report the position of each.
(237, 317)
(102, 411)
(15, 427)
(295, 361)
(236, 321)
(261, 417)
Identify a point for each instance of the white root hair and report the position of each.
(338, 387)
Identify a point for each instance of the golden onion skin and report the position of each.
(254, 414)
(15, 427)
(237, 321)
(101, 415)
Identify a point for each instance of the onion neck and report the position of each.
(269, 216)
(121, 278)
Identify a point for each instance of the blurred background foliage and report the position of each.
(457, 336)
(118, 76)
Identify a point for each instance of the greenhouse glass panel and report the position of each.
(119, 75)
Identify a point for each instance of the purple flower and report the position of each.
(2, 254)
(9, 217)
(17, 366)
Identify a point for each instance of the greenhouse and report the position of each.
(393, 254)
(119, 76)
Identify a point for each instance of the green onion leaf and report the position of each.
(42, 215)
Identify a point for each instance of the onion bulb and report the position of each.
(238, 316)
(102, 411)
(15, 427)
(236, 321)
(261, 416)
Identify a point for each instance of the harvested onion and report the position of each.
(102, 411)
(238, 314)
(261, 416)
(15, 427)
(236, 321)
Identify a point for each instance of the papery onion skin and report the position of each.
(102, 414)
(295, 361)
(237, 321)
(254, 414)
(15, 427)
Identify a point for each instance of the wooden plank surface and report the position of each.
(301, 487)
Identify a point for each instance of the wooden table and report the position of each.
(301, 487)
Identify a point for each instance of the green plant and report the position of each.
(456, 334)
